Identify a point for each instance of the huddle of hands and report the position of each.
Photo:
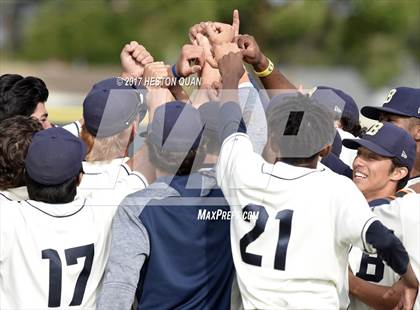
(216, 53)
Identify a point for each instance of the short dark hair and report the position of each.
(348, 125)
(61, 193)
(175, 163)
(403, 182)
(299, 128)
(19, 95)
(15, 136)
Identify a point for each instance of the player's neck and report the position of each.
(381, 193)
(415, 172)
(210, 159)
(298, 162)
(160, 173)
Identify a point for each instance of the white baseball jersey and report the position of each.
(413, 181)
(291, 228)
(402, 216)
(75, 128)
(109, 178)
(347, 155)
(16, 193)
(53, 255)
(372, 269)
(102, 176)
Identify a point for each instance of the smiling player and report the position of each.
(271, 253)
(385, 156)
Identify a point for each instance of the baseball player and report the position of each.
(15, 136)
(347, 116)
(386, 155)
(23, 96)
(272, 271)
(162, 254)
(402, 216)
(111, 114)
(402, 108)
(55, 245)
(27, 96)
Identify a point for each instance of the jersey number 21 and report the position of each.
(285, 222)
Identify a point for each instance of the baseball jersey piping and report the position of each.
(128, 173)
(58, 216)
(6, 197)
(289, 179)
(363, 232)
(77, 127)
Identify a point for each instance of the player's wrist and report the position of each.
(230, 83)
(127, 75)
(261, 64)
(410, 279)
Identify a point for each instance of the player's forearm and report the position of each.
(371, 294)
(230, 120)
(179, 93)
(155, 98)
(274, 82)
(140, 162)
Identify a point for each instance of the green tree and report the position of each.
(373, 36)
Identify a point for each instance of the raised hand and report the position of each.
(191, 60)
(195, 30)
(216, 32)
(134, 57)
(158, 72)
(231, 69)
(204, 42)
(223, 49)
(409, 291)
(251, 51)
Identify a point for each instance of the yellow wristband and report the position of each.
(267, 71)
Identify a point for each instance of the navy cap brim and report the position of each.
(354, 144)
(374, 112)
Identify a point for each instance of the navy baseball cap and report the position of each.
(111, 106)
(403, 101)
(54, 156)
(176, 127)
(338, 101)
(337, 145)
(387, 140)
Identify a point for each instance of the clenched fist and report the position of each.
(231, 69)
(251, 52)
(134, 57)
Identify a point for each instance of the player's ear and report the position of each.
(268, 154)
(272, 146)
(133, 131)
(399, 173)
(326, 150)
(416, 135)
(271, 151)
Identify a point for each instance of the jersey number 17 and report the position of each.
(72, 254)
